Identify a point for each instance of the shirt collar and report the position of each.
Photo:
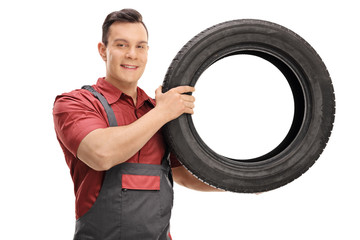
(113, 94)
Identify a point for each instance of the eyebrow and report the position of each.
(124, 40)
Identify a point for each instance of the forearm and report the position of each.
(107, 147)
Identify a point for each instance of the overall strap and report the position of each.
(109, 112)
(166, 164)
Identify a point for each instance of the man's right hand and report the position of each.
(174, 102)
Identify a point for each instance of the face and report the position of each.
(126, 53)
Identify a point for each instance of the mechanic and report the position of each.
(111, 137)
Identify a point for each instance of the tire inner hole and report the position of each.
(244, 107)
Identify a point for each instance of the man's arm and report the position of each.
(104, 148)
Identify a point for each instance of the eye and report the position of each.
(141, 46)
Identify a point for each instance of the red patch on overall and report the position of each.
(140, 182)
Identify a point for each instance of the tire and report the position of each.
(314, 105)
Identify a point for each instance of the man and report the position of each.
(121, 174)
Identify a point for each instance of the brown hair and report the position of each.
(125, 15)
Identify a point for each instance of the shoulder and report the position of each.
(69, 100)
(77, 94)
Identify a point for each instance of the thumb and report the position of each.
(158, 91)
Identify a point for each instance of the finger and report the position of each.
(158, 90)
(184, 89)
(188, 98)
(189, 111)
(189, 104)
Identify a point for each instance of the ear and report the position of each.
(102, 50)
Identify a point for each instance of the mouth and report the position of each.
(129, 67)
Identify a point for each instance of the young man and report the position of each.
(119, 166)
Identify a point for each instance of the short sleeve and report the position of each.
(76, 115)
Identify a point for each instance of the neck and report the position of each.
(129, 89)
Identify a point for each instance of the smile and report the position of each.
(129, 66)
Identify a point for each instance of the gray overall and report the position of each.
(134, 202)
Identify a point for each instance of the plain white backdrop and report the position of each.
(50, 47)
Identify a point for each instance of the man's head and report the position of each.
(124, 48)
(124, 16)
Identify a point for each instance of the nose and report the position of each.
(131, 53)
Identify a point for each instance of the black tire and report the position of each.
(314, 105)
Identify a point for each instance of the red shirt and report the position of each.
(78, 113)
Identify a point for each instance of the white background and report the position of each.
(50, 47)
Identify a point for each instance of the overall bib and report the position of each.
(134, 202)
